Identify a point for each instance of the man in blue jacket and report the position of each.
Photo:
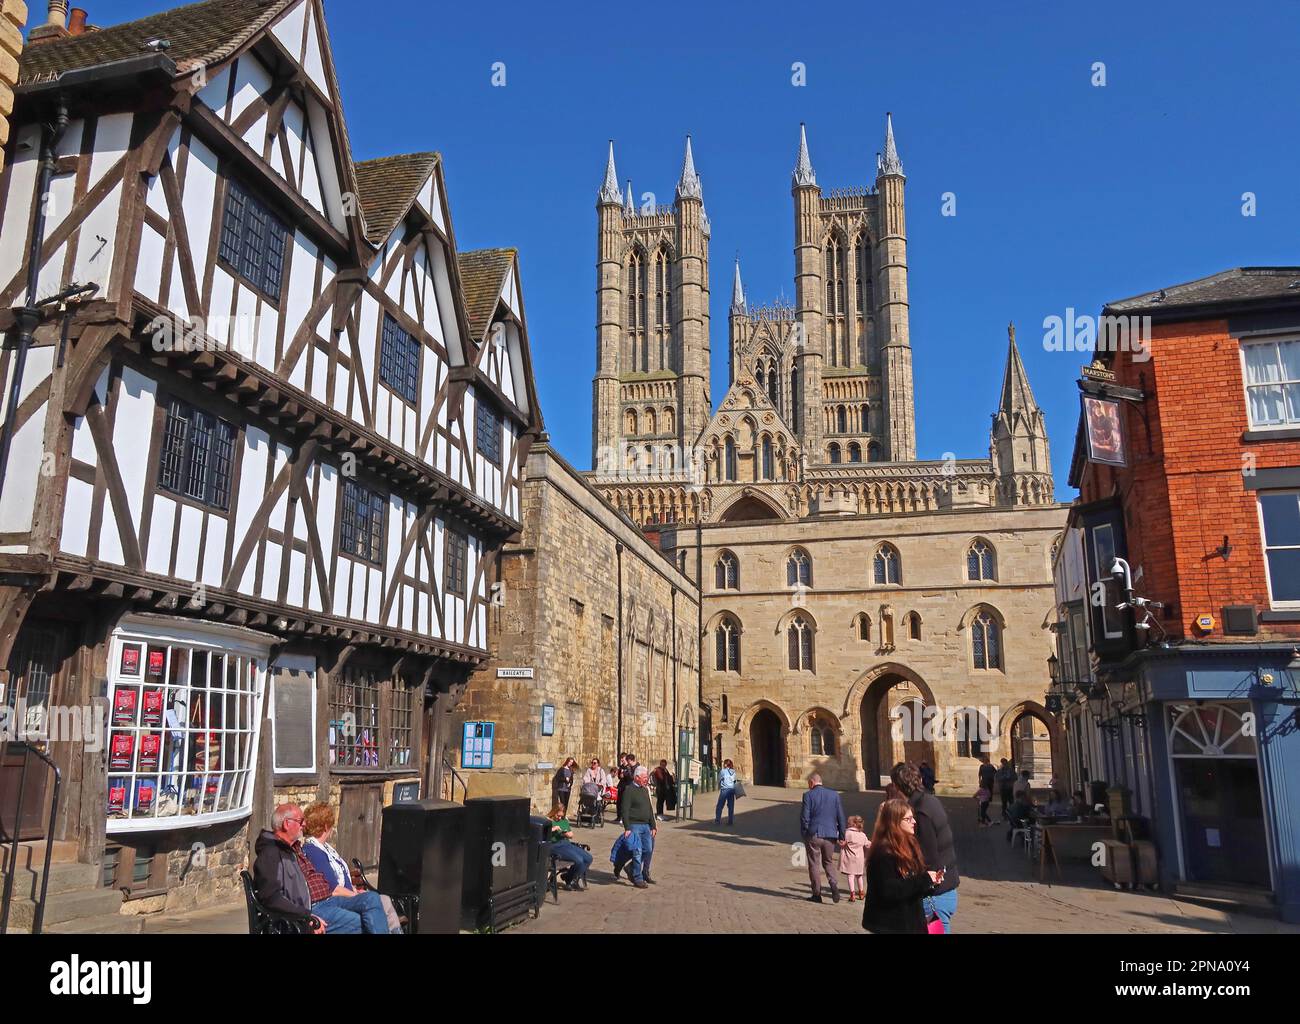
(821, 824)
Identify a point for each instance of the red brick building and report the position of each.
(1188, 465)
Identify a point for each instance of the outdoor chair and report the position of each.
(264, 921)
(407, 905)
(553, 877)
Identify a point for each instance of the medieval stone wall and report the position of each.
(559, 615)
(13, 15)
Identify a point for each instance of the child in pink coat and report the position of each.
(853, 856)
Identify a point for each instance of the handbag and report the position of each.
(739, 789)
(934, 926)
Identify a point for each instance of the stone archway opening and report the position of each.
(893, 727)
(767, 748)
(1031, 747)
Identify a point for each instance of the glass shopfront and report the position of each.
(184, 708)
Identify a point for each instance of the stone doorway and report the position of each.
(893, 726)
(767, 748)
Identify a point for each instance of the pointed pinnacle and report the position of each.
(889, 163)
(803, 169)
(630, 207)
(689, 186)
(737, 292)
(609, 191)
(1017, 396)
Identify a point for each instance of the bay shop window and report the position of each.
(184, 708)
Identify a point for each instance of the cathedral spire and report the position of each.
(737, 292)
(629, 207)
(689, 186)
(1017, 397)
(609, 191)
(889, 163)
(803, 170)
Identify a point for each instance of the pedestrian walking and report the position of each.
(726, 793)
(562, 785)
(988, 774)
(934, 834)
(1006, 779)
(639, 826)
(595, 774)
(821, 825)
(665, 789)
(983, 796)
(897, 881)
(853, 856)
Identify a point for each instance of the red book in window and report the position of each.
(116, 797)
(130, 660)
(124, 701)
(119, 752)
(150, 745)
(157, 659)
(144, 793)
(151, 711)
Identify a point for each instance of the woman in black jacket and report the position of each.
(562, 785)
(897, 881)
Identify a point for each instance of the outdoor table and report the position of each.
(1061, 830)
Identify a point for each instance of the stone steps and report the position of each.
(69, 906)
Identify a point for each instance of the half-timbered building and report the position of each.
(263, 436)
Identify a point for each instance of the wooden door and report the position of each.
(359, 822)
(29, 695)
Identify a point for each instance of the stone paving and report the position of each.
(742, 879)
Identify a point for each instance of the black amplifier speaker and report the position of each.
(420, 853)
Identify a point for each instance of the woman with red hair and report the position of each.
(897, 881)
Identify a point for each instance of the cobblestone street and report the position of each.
(742, 880)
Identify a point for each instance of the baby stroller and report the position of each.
(591, 805)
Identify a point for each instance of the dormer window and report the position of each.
(253, 241)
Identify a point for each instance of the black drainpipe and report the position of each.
(618, 551)
(28, 318)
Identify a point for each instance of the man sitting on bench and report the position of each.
(287, 883)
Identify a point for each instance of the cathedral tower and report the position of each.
(1018, 448)
(651, 390)
(893, 329)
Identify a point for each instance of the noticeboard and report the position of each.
(477, 741)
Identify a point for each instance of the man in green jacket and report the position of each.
(639, 826)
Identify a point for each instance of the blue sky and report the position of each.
(1068, 194)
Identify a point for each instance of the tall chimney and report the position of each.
(77, 23)
(55, 26)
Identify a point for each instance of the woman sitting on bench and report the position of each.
(563, 848)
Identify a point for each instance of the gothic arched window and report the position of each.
(630, 422)
(727, 645)
(864, 626)
(650, 425)
(864, 416)
(986, 641)
(798, 569)
(886, 566)
(821, 739)
(772, 395)
(913, 623)
(636, 310)
(668, 421)
(799, 638)
(794, 400)
(768, 467)
(842, 420)
(730, 468)
(979, 562)
(873, 452)
(855, 452)
(862, 265)
(834, 454)
(727, 572)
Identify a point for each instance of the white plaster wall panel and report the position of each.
(268, 326)
(187, 543)
(251, 81)
(76, 517)
(148, 271)
(342, 584)
(427, 623)
(295, 127)
(271, 571)
(252, 489)
(326, 502)
(217, 91)
(161, 523)
(435, 205)
(426, 195)
(296, 594)
(256, 135)
(223, 286)
(312, 62)
(360, 584)
(374, 595)
(299, 292)
(289, 30)
(132, 426)
(197, 201)
(326, 165)
(312, 182)
(214, 551)
(450, 333)
(25, 146)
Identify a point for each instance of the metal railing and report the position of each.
(453, 778)
(11, 868)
